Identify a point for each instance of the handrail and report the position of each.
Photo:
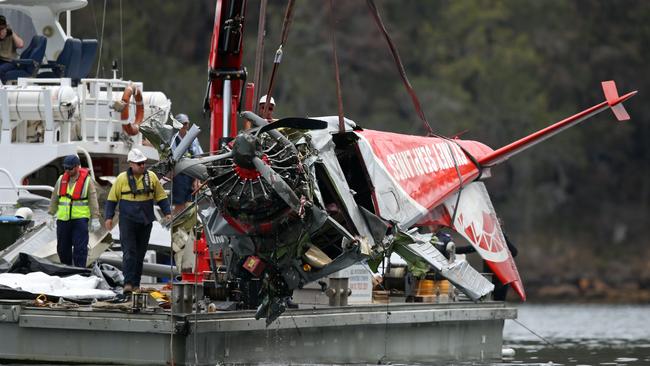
(17, 188)
(89, 160)
(32, 187)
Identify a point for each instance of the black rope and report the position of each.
(288, 14)
(400, 66)
(339, 96)
(535, 334)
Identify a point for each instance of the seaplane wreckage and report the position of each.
(297, 199)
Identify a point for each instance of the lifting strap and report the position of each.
(400, 67)
(416, 101)
(339, 96)
(288, 14)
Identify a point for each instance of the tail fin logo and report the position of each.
(477, 221)
(484, 234)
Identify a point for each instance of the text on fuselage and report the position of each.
(425, 159)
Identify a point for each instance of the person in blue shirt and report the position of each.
(183, 185)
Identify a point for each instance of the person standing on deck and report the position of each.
(135, 191)
(74, 202)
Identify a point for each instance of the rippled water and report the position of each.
(579, 335)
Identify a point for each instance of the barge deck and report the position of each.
(413, 333)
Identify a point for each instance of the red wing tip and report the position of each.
(519, 289)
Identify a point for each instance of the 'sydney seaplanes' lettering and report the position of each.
(425, 159)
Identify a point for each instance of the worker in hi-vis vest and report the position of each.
(74, 202)
(136, 191)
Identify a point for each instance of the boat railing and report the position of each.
(51, 111)
(18, 187)
(98, 98)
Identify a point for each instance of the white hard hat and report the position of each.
(24, 212)
(263, 100)
(136, 156)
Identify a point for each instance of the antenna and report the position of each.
(114, 68)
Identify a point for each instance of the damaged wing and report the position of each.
(458, 272)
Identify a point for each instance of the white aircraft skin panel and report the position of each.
(409, 211)
(477, 221)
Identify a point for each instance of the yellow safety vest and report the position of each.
(70, 209)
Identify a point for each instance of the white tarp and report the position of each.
(71, 287)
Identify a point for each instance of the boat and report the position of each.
(48, 115)
(44, 119)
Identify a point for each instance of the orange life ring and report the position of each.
(132, 128)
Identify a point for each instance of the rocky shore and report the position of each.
(587, 290)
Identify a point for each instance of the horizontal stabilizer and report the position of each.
(614, 101)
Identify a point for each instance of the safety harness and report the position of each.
(133, 186)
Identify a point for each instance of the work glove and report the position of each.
(52, 223)
(95, 225)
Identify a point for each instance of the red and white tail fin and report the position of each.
(477, 222)
(613, 102)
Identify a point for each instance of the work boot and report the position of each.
(128, 288)
(291, 304)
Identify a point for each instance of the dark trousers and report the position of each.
(72, 241)
(134, 239)
(4, 68)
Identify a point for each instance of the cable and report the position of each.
(530, 330)
(288, 14)
(92, 8)
(380, 361)
(337, 73)
(400, 66)
(196, 266)
(460, 181)
(171, 281)
(101, 41)
(121, 42)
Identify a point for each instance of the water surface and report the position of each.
(579, 335)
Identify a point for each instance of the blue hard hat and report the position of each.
(71, 161)
(182, 118)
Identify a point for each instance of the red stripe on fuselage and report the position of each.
(425, 167)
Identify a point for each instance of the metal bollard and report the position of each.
(183, 296)
(338, 291)
(139, 300)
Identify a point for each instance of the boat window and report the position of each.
(21, 23)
